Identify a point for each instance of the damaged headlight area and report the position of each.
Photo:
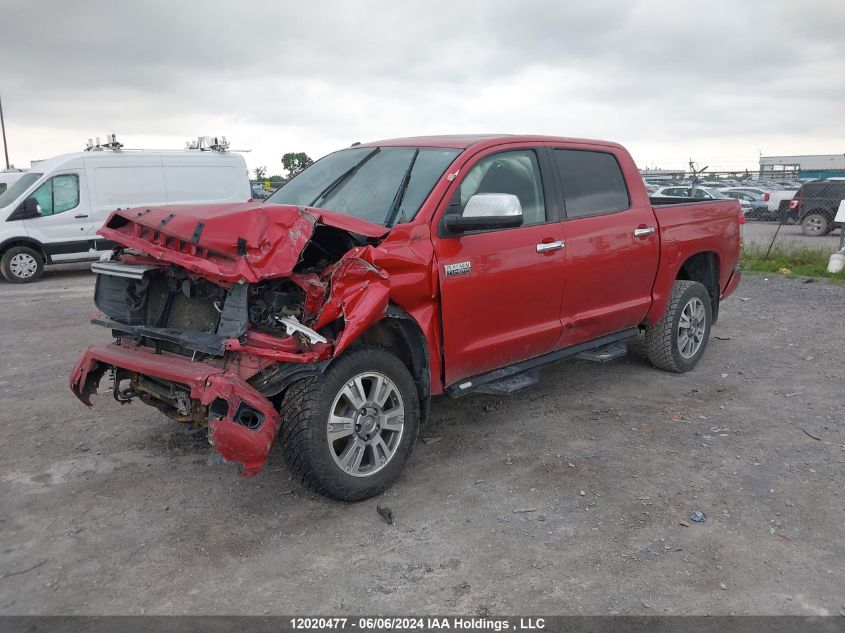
(166, 308)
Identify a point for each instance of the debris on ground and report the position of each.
(807, 433)
(524, 510)
(792, 395)
(385, 513)
(683, 523)
(431, 440)
(583, 493)
(698, 516)
(723, 586)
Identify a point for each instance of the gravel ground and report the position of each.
(573, 497)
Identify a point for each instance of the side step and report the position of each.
(605, 353)
(511, 384)
(516, 371)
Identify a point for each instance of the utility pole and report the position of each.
(3, 126)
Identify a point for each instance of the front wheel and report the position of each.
(348, 433)
(22, 265)
(677, 342)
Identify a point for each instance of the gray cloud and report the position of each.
(669, 79)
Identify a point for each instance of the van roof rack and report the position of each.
(201, 144)
(111, 143)
(209, 144)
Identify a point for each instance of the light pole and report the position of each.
(3, 126)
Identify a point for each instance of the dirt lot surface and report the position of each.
(573, 497)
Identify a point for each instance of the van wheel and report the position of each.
(348, 433)
(22, 265)
(815, 224)
(677, 342)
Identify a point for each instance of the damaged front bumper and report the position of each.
(242, 423)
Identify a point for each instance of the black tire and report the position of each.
(662, 339)
(10, 265)
(816, 224)
(305, 410)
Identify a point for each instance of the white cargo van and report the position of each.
(51, 213)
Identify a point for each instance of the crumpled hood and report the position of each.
(228, 242)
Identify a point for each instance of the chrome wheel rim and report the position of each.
(691, 327)
(814, 224)
(365, 425)
(23, 265)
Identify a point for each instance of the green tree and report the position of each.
(260, 173)
(295, 162)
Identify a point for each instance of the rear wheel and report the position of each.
(348, 433)
(815, 224)
(677, 342)
(21, 265)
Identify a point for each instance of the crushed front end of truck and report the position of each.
(215, 311)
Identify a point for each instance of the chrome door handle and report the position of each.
(649, 230)
(544, 247)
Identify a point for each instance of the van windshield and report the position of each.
(383, 185)
(12, 193)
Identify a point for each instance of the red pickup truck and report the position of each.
(390, 272)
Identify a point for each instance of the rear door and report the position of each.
(612, 243)
(501, 290)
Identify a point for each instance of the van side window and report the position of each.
(515, 172)
(59, 194)
(592, 182)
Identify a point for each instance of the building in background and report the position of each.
(821, 166)
(655, 175)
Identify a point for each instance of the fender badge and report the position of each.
(461, 268)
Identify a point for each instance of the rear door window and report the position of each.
(592, 182)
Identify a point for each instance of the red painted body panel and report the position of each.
(206, 382)
(515, 304)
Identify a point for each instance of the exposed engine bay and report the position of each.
(210, 339)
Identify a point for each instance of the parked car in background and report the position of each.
(815, 205)
(327, 317)
(699, 193)
(8, 178)
(51, 213)
(757, 209)
(772, 196)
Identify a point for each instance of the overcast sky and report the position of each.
(715, 81)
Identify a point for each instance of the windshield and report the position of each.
(18, 187)
(383, 185)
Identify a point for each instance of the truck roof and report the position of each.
(464, 141)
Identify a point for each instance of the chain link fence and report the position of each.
(790, 215)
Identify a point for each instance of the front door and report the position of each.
(501, 289)
(64, 228)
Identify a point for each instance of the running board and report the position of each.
(605, 353)
(511, 384)
(474, 383)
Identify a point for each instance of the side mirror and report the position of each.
(27, 209)
(486, 211)
(32, 207)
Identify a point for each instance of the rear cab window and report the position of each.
(592, 182)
